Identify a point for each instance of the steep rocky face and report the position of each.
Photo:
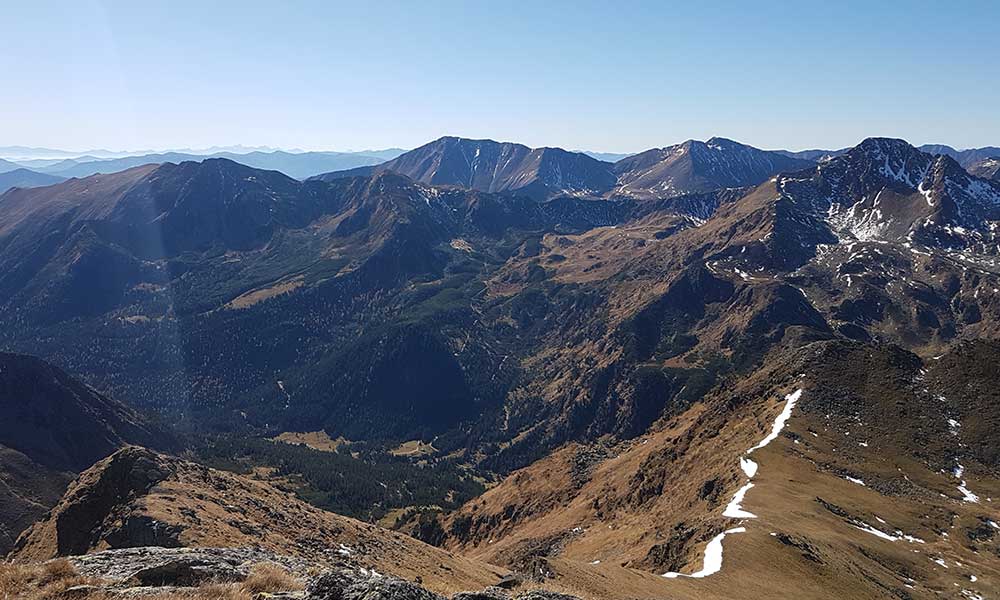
(52, 426)
(886, 190)
(698, 167)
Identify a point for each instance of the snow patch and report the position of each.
(891, 537)
(713, 556)
(780, 421)
(713, 552)
(734, 510)
(967, 496)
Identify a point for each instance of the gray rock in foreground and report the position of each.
(178, 567)
(144, 571)
(365, 585)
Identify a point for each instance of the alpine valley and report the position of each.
(702, 371)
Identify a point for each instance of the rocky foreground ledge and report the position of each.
(197, 573)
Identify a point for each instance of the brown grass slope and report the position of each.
(137, 497)
(875, 414)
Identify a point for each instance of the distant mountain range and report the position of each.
(26, 178)
(966, 158)
(988, 168)
(27, 154)
(605, 156)
(299, 166)
(813, 155)
(6, 166)
(485, 165)
(698, 167)
(492, 166)
(195, 241)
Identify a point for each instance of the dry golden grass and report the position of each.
(255, 296)
(413, 448)
(215, 591)
(270, 578)
(50, 580)
(14, 579)
(317, 440)
(45, 581)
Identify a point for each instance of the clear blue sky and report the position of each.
(612, 76)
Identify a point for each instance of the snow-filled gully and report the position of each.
(713, 551)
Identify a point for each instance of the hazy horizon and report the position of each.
(622, 79)
(69, 153)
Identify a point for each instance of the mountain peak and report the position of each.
(723, 143)
(884, 144)
(491, 166)
(695, 166)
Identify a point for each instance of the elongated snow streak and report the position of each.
(892, 537)
(713, 556)
(734, 510)
(876, 532)
(966, 494)
(779, 422)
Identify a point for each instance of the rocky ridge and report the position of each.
(185, 572)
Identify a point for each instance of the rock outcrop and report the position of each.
(137, 498)
(51, 427)
(153, 566)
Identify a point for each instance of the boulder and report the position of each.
(362, 584)
(491, 593)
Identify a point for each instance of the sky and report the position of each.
(603, 76)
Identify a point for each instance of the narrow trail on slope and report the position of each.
(713, 551)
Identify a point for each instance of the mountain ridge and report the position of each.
(26, 178)
(545, 172)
